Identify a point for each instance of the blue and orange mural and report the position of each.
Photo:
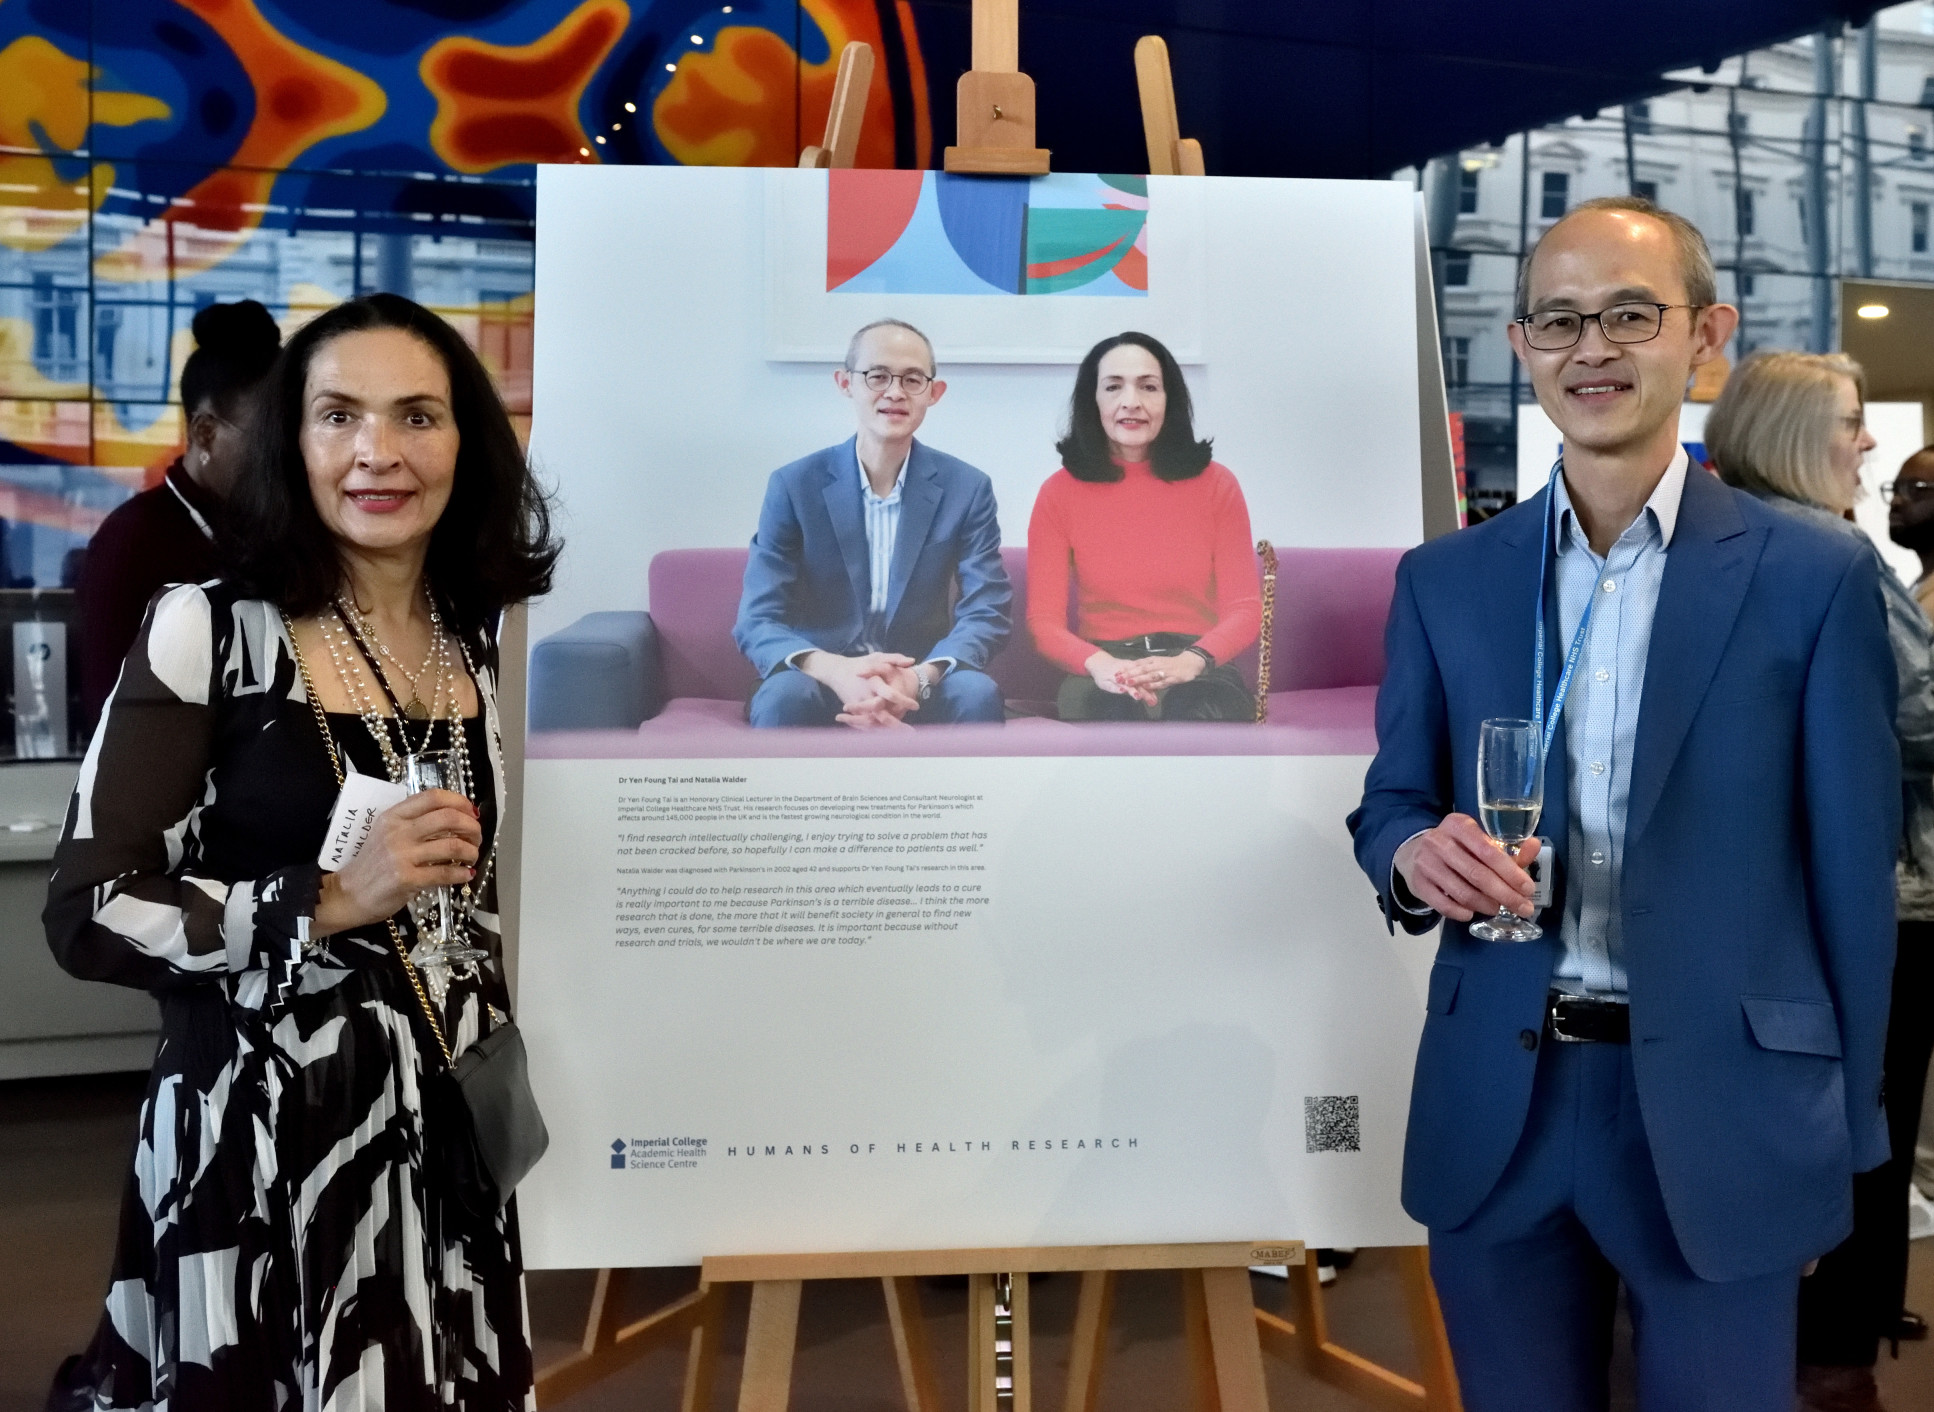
(891, 232)
(157, 155)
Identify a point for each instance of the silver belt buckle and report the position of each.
(1551, 1021)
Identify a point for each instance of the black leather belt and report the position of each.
(1149, 644)
(1575, 1019)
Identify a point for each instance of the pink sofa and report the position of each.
(670, 684)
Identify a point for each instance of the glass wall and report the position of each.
(103, 266)
(1802, 163)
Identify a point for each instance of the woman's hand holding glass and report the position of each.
(429, 840)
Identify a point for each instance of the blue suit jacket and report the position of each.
(1758, 886)
(807, 582)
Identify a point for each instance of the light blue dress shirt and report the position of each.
(882, 533)
(1601, 719)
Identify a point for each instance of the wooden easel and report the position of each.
(994, 103)
(1226, 1333)
(1169, 153)
(850, 88)
(1225, 1351)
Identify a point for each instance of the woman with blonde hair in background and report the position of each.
(1791, 429)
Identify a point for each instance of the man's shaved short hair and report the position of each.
(853, 348)
(1695, 260)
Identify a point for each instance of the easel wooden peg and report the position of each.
(1169, 153)
(994, 104)
(850, 90)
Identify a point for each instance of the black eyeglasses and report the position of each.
(1912, 487)
(1556, 329)
(879, 380)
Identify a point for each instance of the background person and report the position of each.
(1156, 536)
(874, 594)
(167, 534)
(287, 1235)
(1791, 429)
(1673, 1086)
(1910, 518)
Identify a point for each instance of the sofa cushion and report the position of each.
(1330, 610)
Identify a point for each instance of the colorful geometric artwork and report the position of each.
(159, 154)
(936, 233)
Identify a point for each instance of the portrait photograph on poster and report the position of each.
(1028, 942)
(906, 449)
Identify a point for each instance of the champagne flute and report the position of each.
(1510, 797)
(437, 922)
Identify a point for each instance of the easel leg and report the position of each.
(1427, 1327)
(910, 1344)
(980, 1343)
(1023, 1344)
(702, 1351)
(1231, 1310)
(1195, 1328)
(1312, 1321)
(1088, 1347)
(770, 1335)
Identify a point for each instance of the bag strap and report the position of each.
(1268, 552)
(335, 762)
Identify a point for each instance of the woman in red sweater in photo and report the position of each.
(1156, 537)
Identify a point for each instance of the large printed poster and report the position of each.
(904, 865)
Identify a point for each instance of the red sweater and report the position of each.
(1148, 555)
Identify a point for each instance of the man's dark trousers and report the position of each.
(1529, 1284)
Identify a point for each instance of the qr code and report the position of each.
(1331, 1125)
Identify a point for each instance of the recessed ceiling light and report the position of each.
(1872, 311)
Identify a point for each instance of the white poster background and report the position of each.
(1174, 955)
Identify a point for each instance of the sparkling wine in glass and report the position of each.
(1510, 797)
(439, 923)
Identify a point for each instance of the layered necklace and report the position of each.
(349, 634)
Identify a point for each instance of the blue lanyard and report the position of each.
(1546, 728)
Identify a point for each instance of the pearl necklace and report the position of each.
(366, 631)
(345, 644)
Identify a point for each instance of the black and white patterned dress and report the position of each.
(284, 1243)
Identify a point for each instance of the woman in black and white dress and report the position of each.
(287, 1239)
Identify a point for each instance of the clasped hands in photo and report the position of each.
(1143, 677)
(429, 840)
(1461, 871)
(876, 689)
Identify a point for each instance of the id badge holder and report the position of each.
(1543, 870)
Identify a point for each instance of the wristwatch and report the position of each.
(926, 682)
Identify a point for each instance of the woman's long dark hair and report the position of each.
(492, 547)
(1175, 454)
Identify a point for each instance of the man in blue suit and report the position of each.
(1672, 1087)
(875, 595)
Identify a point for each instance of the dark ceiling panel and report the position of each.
(1350, 88)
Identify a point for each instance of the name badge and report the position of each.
(363, 797)
(1543, 869)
